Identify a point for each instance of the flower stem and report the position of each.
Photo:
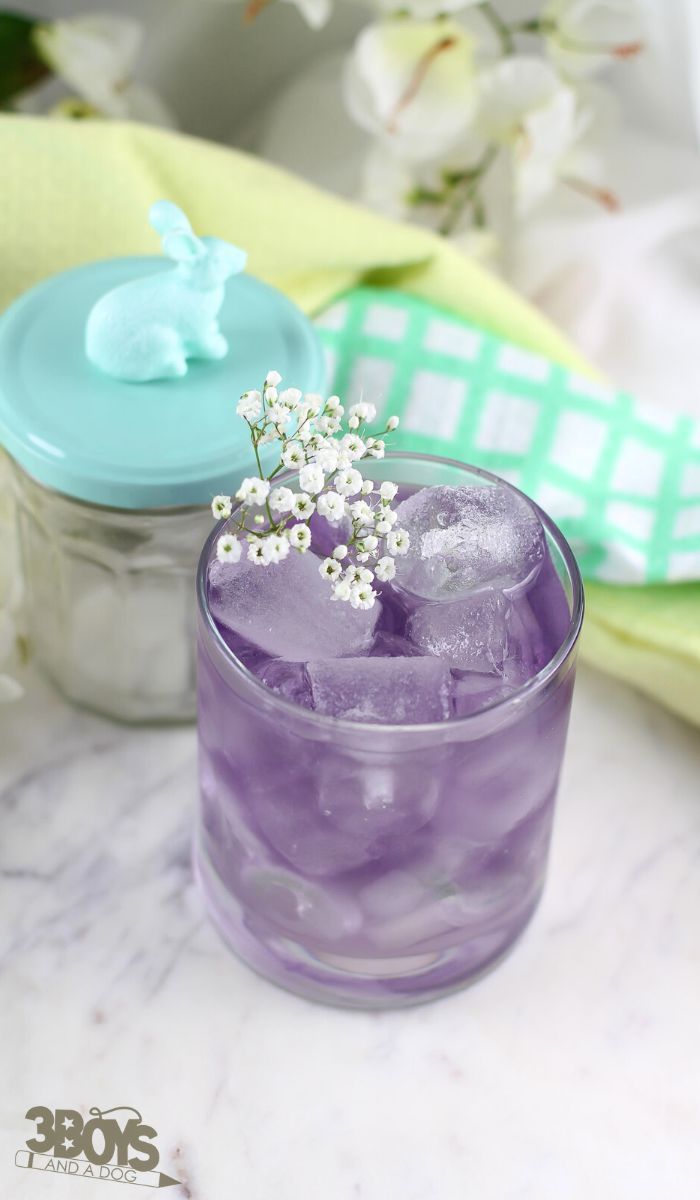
(465, 191)
(499, 26)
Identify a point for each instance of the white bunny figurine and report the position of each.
(148, 328)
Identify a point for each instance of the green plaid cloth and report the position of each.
(622, 480)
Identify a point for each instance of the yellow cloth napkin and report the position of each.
(73, 192)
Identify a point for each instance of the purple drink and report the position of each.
(378, 786)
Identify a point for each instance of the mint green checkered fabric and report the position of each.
(621, 479)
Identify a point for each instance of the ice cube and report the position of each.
(381, 799)
(288, 679)
(471, 635)
(289, 819)
(298, 906)
(398, 691)
(467, 539)
(286, 609)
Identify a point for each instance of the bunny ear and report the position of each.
(183, 246)
(165, 217)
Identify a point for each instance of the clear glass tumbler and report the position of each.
(377, 865)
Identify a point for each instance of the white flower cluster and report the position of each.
(325, 461)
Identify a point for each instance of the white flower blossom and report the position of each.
(353, 446)
(412, 84)
(253, 490)
(272, 379)
(221, 507)
(392, 424)
(340, 552)
(279, 415)
(290, 397)
(398, 542)
(388, 490)
(385, 569)
(270, 395)
(249, 406)
(357, 574)
(327, 459)
(303, 506)
(293, 455)
(299, 537)
(584, 35)
(331, 506)
(330, 569)
(348, 482)
(367, 488)
(369, 544)
(377, 449)
(275, 548)
(362, 596)
(228, 549)
(363, 512)
(328, 424)
(311, 478)
(281, 499)
(256, 552)
(364, 411)
(342, 590)
(334, 407)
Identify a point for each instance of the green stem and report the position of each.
(465, 191)
(503, 31)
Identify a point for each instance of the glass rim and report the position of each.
(525, 692)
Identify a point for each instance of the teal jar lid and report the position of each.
(159, 444)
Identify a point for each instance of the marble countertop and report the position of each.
(573, 1070)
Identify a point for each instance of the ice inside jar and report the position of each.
(381, 861)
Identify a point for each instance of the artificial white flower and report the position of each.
(398, 541)
(584, 35)
(290, 397)
(256, 552)
(249, 406)
(253, 490)
(387, 491)
(348, 482)
(330, 569)
(392, 424)
(293, 455)
(96, 54)
(340, 552)
(362, 596)
(228, 549)
(331, 506)
(221, 507)
(342, 590)
(412, 84)
(272, 379)
(275, 548)
(385, 569)
(311, 478)
(299, 537)
(281, 499)
(279, 415)
(303, 506)
(362, 511)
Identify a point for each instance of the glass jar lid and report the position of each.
(163, 443)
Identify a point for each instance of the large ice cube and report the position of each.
(398, 691)
(486, 634)
(467, 539)
(286, 609)
(299, 906)
(377, 797)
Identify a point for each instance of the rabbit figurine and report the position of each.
(148, 328)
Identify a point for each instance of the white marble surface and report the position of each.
(572, 1071)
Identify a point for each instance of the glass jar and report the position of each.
(110, 600)
(114, 480)
(374, 865)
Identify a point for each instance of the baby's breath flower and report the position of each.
(221, 507)
(361, 511)
(330, 569)
(311, 478)
(387, 491)
(376, 450)
(275, 548)
(355, 574)
(328, 424)
(299, 537)
(392, 424)
(313, 404)
(249, 406)
(398, 541)
(272, 378)
(281, 499)
(367, 487)
(331, 506)
(253, 490)
(342, 590)
(270, 395)
(303, 506)
(334, 406)
(353, 446)
(327, 458)
(340, 553)
(293, 455)
(256, 551)
(348, 482)
(290, 397)
(362, 595)
(228, 549)
(279, 415)
(385, 569)
(369, 544)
